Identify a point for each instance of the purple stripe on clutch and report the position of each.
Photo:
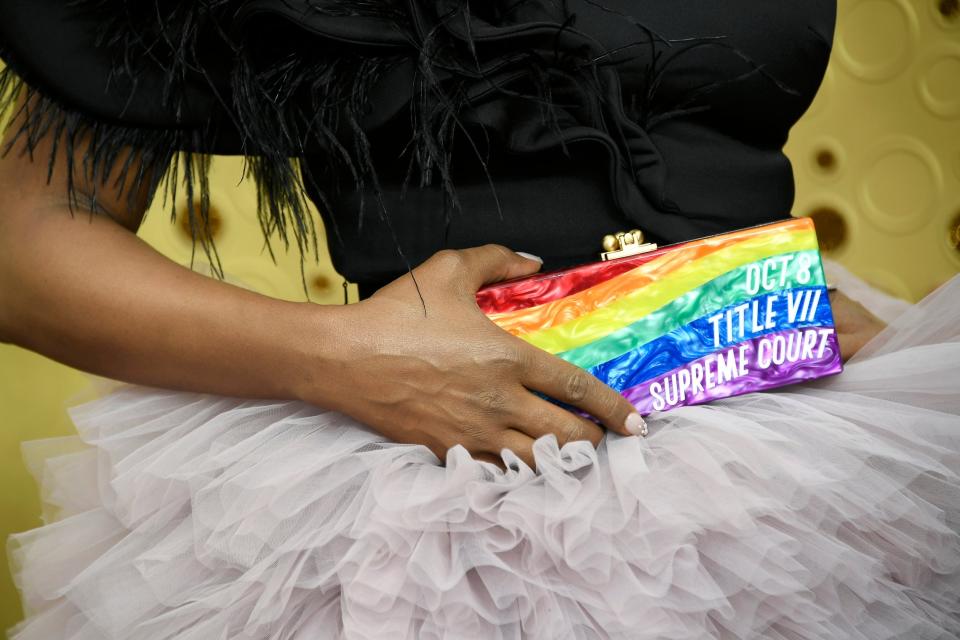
(769, 361)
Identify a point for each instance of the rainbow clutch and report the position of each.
(688, 323)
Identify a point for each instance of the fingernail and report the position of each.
(636, 425)
(530, 256)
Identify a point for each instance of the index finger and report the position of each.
(578, 388)
(493, 263)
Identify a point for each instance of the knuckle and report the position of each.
(449, 260)
(521, 355)
(573, 431)
(500, 250)
(476, 437)
(492, 401)
(576, 386)
(612, 404)
(505, 355)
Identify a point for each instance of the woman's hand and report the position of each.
(438, 372)
(855, 325)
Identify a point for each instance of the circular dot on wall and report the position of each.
(832, 230)
(900, 185)
(877, 163)
(827, 158)
(938, 81)
(214, 226)
(947, 12)
(953, 237)
(321, 283)
(328, 287)
(877, 38)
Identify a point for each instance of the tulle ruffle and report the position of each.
(826, 510)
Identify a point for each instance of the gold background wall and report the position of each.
(877, 162)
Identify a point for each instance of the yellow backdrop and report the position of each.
(877, 163)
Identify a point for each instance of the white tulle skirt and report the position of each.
(827, 510)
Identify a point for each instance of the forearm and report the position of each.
(90, 294)
(419, 361)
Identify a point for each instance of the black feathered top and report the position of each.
(424, 124)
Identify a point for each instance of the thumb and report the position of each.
(494, 263)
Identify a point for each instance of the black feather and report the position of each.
(295, 96)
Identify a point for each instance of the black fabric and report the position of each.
(419, 125)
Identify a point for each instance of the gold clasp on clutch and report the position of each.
(625, 243)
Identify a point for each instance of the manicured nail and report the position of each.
(636, 425)
(530, 256)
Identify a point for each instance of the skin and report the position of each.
(83, 289)
(855, 325)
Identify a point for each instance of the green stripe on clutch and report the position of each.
(726, 290)
(634, 305)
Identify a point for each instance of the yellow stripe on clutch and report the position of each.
(571, 325)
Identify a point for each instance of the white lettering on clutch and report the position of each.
(732, 364)
(759, 315)
(771, 274)
(706, 374)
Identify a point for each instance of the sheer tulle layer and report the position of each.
(827, 510)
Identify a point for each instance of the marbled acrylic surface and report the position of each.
(686, 324)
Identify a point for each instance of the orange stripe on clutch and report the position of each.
(557, 312)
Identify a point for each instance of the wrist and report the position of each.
(320, 344)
